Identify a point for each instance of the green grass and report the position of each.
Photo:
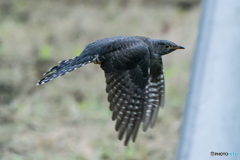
(45, 52)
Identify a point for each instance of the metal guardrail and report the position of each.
(211, 120)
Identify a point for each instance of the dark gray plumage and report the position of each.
(134, 76)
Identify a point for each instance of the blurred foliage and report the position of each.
(69, 118)
(83, 106)
(78, 51)
(45, 52)
(130, 152)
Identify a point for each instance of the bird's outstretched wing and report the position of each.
(154, 94)
(130, 88)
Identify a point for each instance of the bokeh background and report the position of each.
(69, 117)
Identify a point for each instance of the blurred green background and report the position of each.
(69, 117)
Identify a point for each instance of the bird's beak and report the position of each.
(178, 47)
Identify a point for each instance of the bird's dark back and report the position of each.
(110, 44)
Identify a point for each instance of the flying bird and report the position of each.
(134, 75)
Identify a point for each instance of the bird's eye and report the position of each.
(167, 46)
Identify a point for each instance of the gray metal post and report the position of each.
(211, 120)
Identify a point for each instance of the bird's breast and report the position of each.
(155, 57)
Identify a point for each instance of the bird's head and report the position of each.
(166, 47)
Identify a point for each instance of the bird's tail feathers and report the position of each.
(64, 67)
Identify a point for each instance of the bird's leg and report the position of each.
(96, 60)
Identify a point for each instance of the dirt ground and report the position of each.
(69, 117)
